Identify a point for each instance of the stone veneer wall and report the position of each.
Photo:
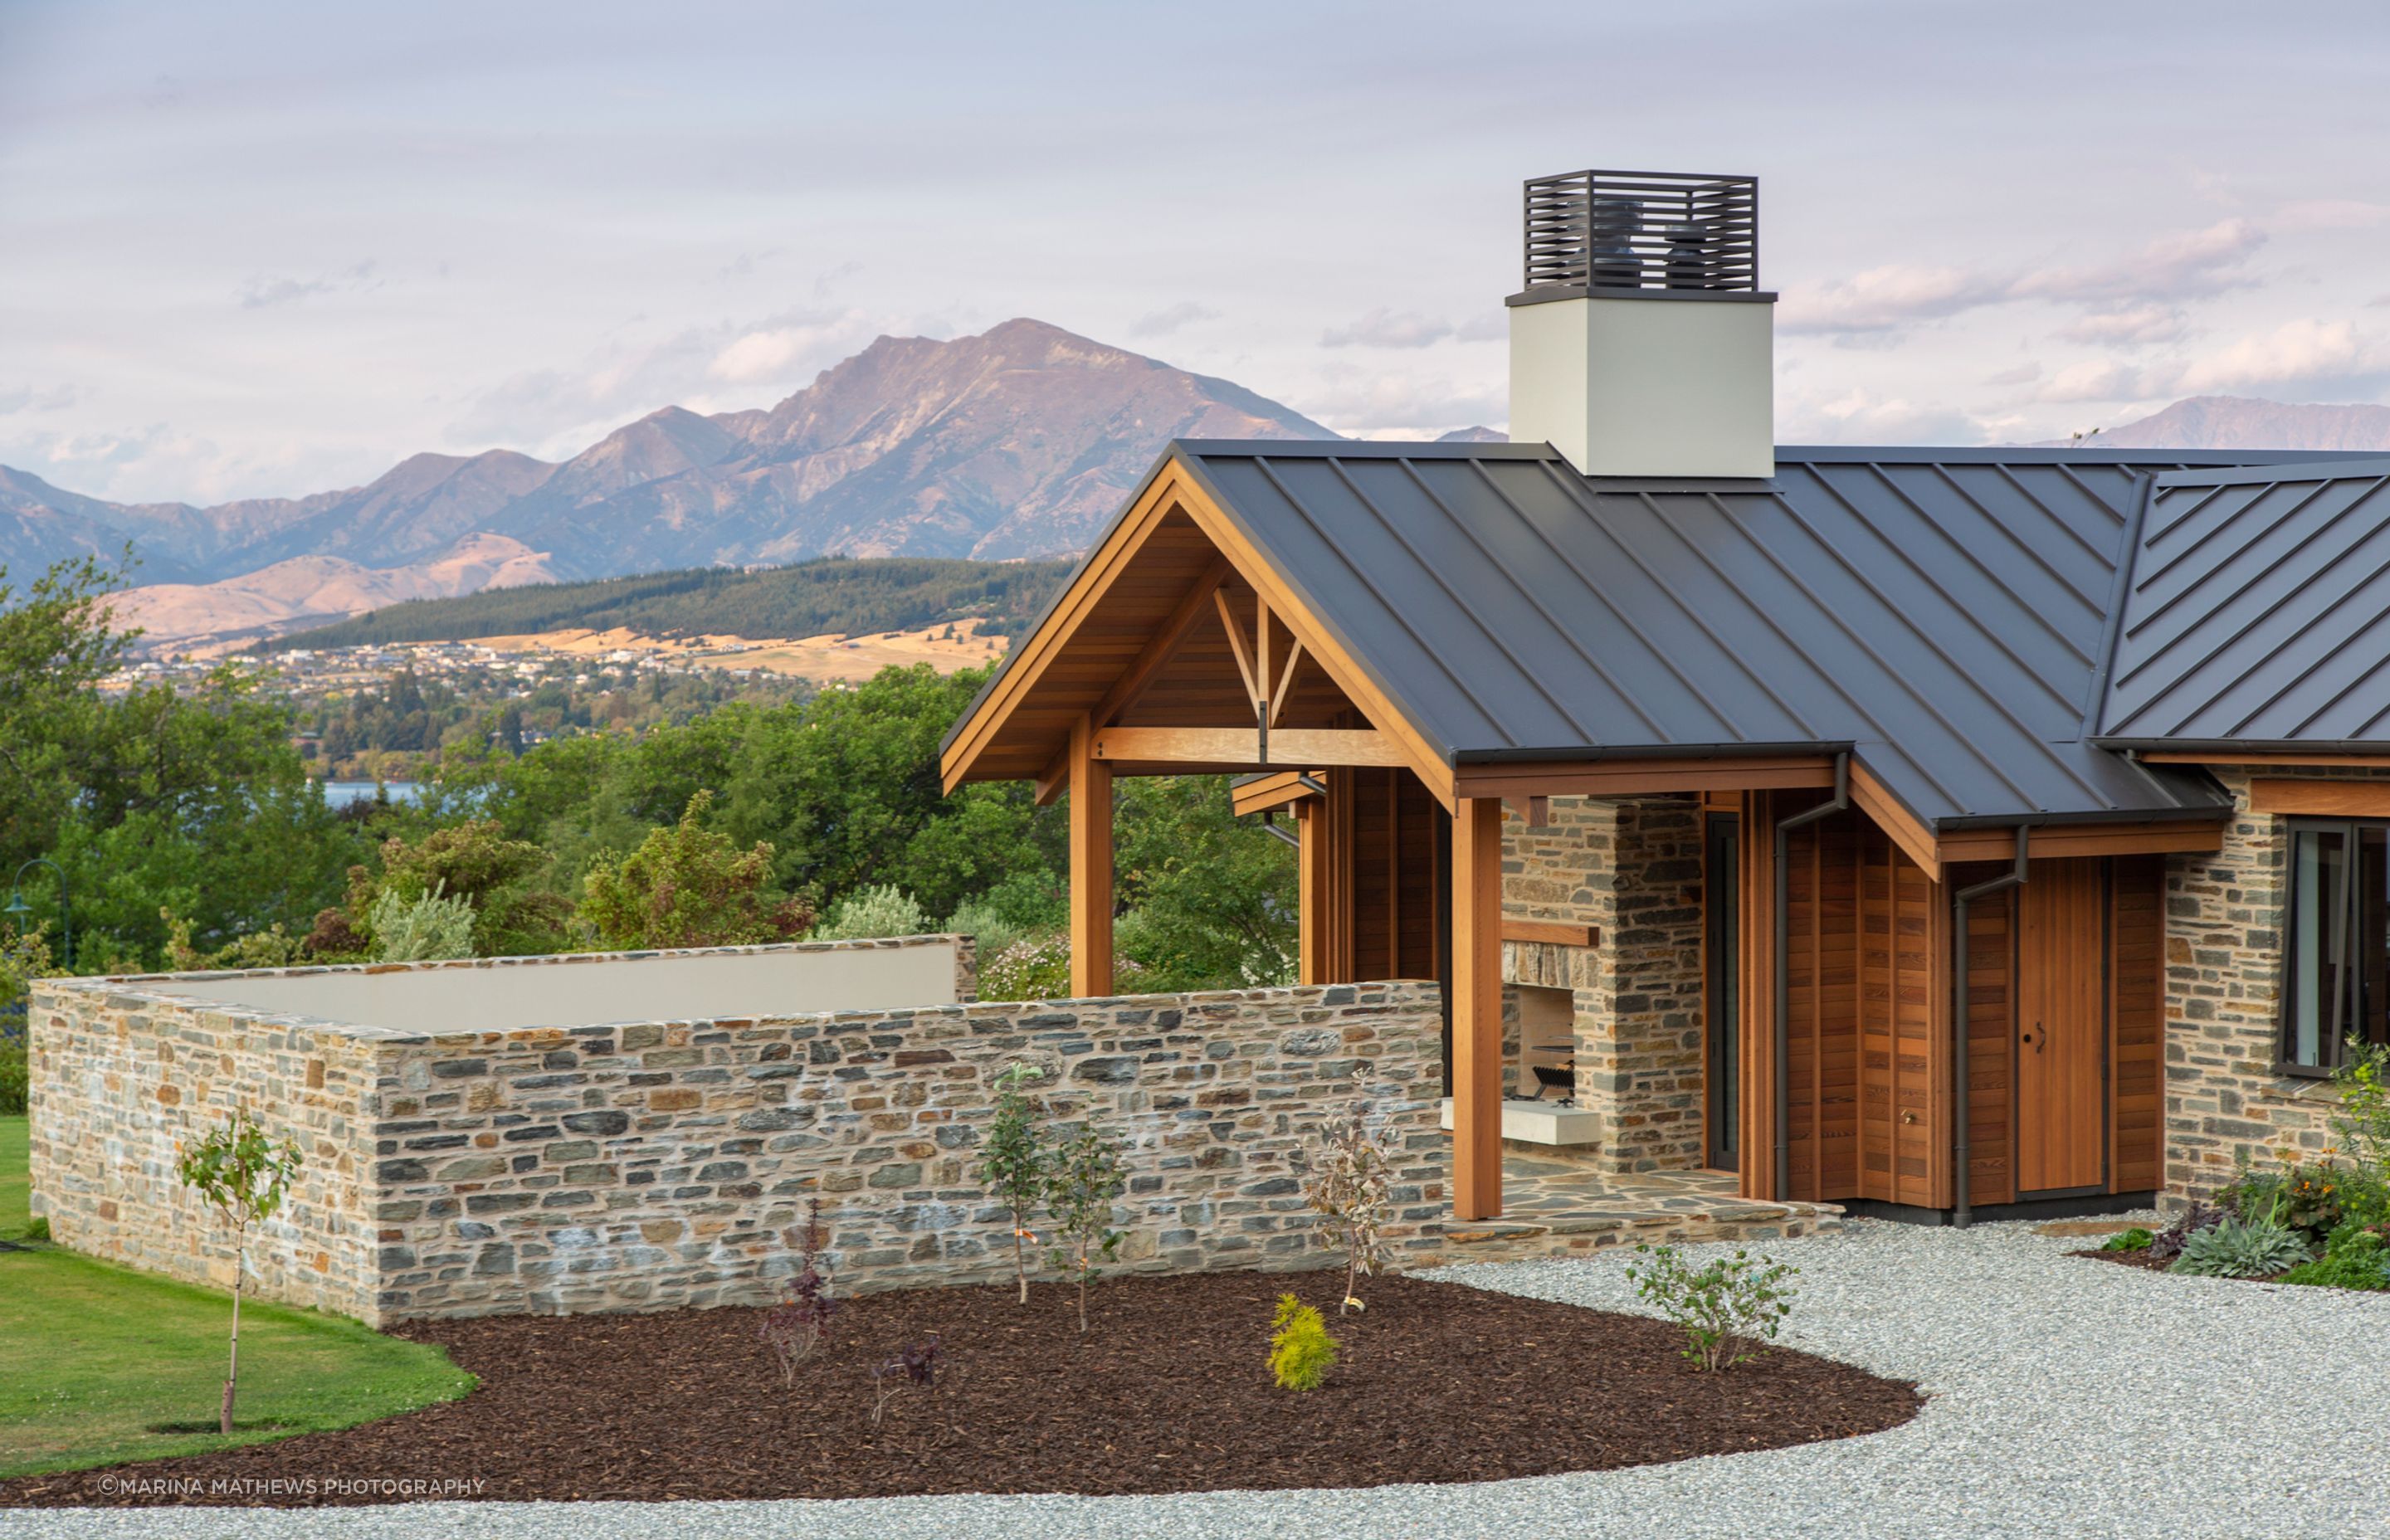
(2225, 934)
(1633, 867)
(654, 1164)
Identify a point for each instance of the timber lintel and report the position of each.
(1242, 748)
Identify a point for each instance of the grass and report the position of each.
(94, 1359)
(16, 1186)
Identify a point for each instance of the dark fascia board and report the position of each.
(1601, 753)
(1544, 294)
(2346, 465)
(1353, 449)
(2214, 813)
(2227, 749)
(1840, 454)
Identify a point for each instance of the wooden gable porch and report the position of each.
(1180, 647)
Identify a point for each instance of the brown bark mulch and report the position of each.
(1169, 1391)
(2142, 1259)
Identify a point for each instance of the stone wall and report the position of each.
(652, 1165)
(2224, 934)
(1633, 867)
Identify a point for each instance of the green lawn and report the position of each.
(15, 1214)
(94, 1358)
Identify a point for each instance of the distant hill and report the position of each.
(836, 595)
(2243, 422)
(1015, 442)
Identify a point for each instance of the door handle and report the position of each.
(2034, 1036)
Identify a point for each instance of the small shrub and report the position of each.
(914, 1364)
(2237, 1248)
(39, 1229)
(872, 913)
(2363, 1120)
(1301, 1350)
(687, 886)
(15, 1077)
(2194, 1217)
(1083, 1178)
(794, 1328)
(1351, 1190)
(1038, 968)
(430, 926)
(2134, 1239)
(2355, 1257)
(244, 1176)
(1725, 1308)
(1014, 1163)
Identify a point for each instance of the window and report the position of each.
(2336, 969)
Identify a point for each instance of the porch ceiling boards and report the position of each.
(2256, 618)
(1938, 612)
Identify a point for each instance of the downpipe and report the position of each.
(1961, 1214)
(1839, 801)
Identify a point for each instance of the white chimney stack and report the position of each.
(1642, 344)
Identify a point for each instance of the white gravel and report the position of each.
(2068, 1398)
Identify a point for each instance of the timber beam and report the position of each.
(1247, 748)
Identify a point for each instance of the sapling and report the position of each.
(914, 1364)
(1084, 1176)
(243, 1175)
(794, 1328)
(1014, 1164)
(1351, 1190)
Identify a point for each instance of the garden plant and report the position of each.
(244, 1176)
(1301, 1350)
(1726, 1308)
(1084, 1175)
(1351, 1190)
(1016, 1163)
(795, 1327)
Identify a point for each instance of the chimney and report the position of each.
(1642, 344)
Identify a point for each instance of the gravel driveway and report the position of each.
(2069, 1398)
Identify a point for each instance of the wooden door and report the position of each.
(2061, 1029)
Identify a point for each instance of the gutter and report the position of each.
(1961, 1215)
(1782, 1176)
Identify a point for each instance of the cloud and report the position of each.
(1171, 319)
(2295, 357)
(1366, 403)
(2128, 326)
(28, 398)
(260, 291)
(199, 469)
(1388, 329)
(1858, 415)
(2188, 264)
(1884, 298)
(2023, 374)
(2333, 213)
(1890, 299)
(560, 410)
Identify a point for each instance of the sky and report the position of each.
(253, 250)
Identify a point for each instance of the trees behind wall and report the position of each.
(189, 830)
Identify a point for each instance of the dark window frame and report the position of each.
(2360, 1003)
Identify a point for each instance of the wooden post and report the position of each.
(1311, 890)
(1477, 1008)
(1091, 865)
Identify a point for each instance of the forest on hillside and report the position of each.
(840, 595)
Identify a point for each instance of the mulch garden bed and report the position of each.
(2141, 1260)
(1169, 1391)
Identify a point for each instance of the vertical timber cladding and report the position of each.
(2130, 1013)
(1399, 835)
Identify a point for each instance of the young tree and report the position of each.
(1085, 1175)
(1015, 1163)
(244, 1176)
(1351, 1190)
(688, 886)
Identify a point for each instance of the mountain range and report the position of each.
(1017, 442)
(1020, 442)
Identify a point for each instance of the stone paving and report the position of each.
(1557, 1208)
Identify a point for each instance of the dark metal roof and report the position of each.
(2258, 611)
(1940, 612)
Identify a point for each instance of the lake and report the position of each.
(340, 794)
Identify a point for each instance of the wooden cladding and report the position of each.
(2321, 799)
(2064, 1022)
(1863, 1056)
(1375, 853)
